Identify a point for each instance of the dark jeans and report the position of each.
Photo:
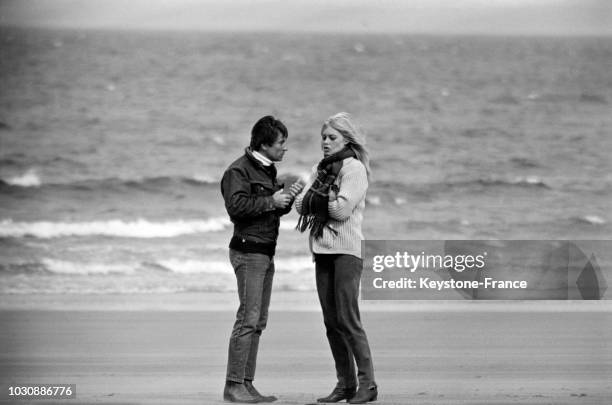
(254, 274)
(338, 279)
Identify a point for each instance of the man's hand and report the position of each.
(281, 199)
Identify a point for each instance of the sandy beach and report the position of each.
(440, 353)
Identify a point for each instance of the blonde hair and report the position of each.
(344, 123)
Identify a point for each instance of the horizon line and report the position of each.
(364, 32)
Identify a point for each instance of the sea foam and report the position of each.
(140, 228)
(291, 266)
(195, 266)
(67, 268)
(29, 179)
(591, 219)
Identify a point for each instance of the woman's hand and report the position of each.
(333, 192)
(296, 188)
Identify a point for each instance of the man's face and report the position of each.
(276, 151)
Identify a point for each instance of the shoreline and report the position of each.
(282, 301)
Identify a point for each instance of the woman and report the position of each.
(331, 205)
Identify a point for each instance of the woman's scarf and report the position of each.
(314, 204)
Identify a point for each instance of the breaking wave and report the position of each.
(179, 266)
(139, 228)
(28, 179)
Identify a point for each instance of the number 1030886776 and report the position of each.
(40, 391)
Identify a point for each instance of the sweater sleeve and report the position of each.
(300, 197)
(353, 188)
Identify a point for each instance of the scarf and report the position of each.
(315, 214)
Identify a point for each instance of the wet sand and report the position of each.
(430, 356)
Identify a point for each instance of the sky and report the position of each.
(507, 17)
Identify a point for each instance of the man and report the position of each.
(255, 202)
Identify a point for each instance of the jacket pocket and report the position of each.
(262, 189)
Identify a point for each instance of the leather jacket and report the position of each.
(247, 187)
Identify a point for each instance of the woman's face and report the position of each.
(332, 141)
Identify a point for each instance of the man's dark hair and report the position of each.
(266, 131)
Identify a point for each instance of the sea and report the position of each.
(112, 145)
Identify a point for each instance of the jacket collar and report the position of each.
(249, 154)
(264, 160)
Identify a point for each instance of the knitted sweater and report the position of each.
(346, 211)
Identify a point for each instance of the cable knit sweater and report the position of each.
(346, 211)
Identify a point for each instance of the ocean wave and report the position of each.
(149, 183)
(181, 266)
(483, 132)
(524, 163)
(292, 265)
(590, 219)
(115, 184)
(122, 185)
(585, 97)
(28, 179)
(28, 267)
(519, 181)
(296, 264)
(140, 228)
(178, 266)
(153, 289)
(523, 181)
(593, 98)
(373, 200)
(201, 179)
(397, 193)
(78, 268)
(10, 162)
(529, 181)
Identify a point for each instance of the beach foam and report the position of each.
(65, 267)
(295, 264)
(591, 219)
(28, 179)
(139, 228)
(195, 266)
